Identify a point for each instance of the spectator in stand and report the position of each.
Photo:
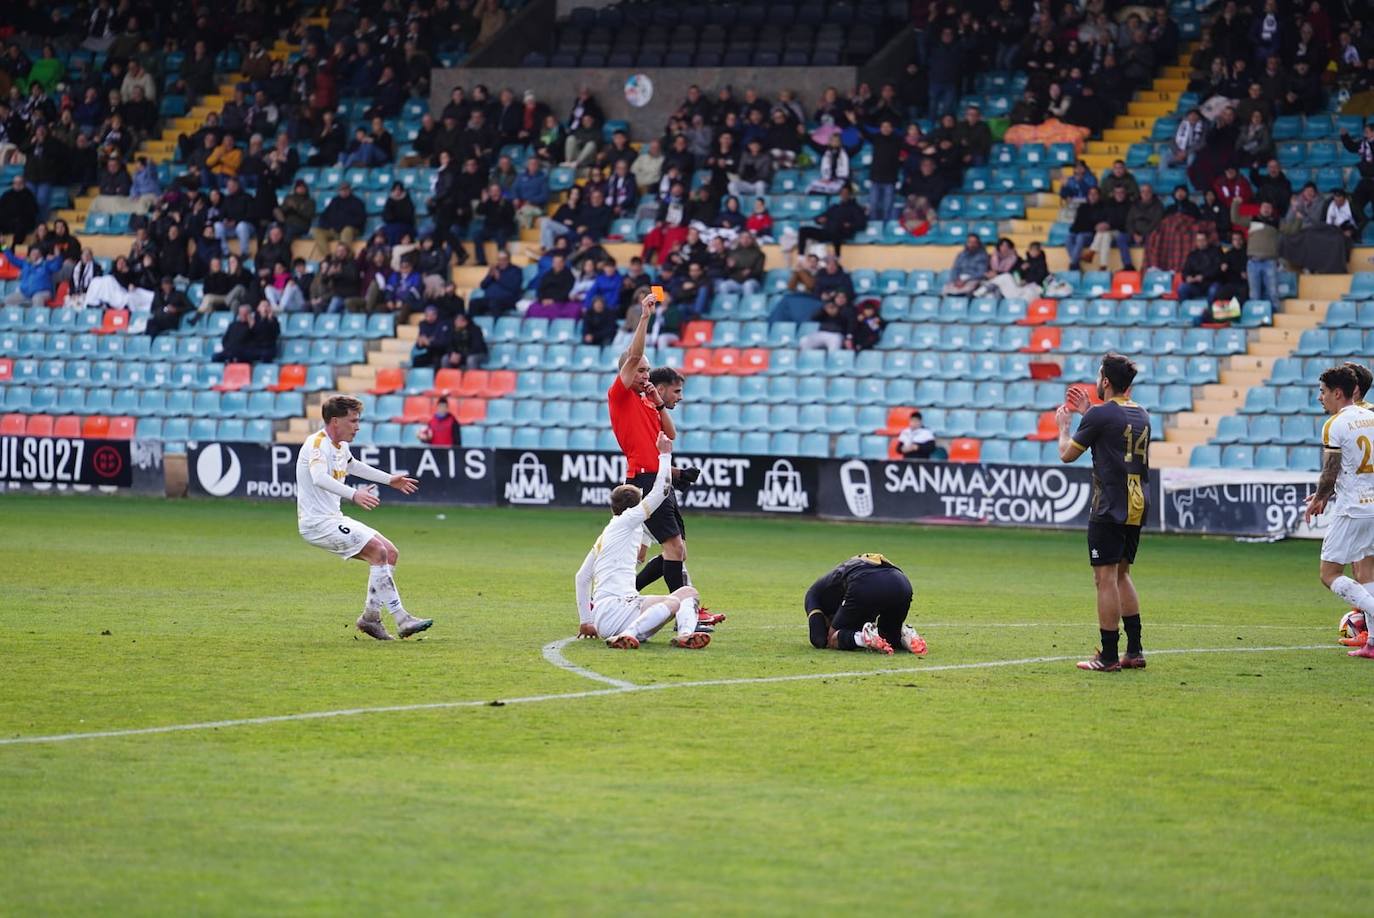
(648, 166)
(1216, 213)
(671, 227)
(296, 212)
(343, 219)
(883, 173)
(973, 137)
(835, 331)
(1119, 175)
(833, 280)
(1188, 139)
(168, 306)
(235, 218)
(404, 290)
(1232, 190)
(1001, 261)
(1255, 143)
(530, 193)
(689, 290)
(1262, 250)
(398, 215)
(594, 218)
(498, 222)
(564, 221)
(841, 222)
(927, 182)
(114, 189)
(235, 343)
(1232, 282)
(266, 334)
(1026, 281)
(1090, 219)
(835, 167)
(432, 340)
(37, 277)
(744, 268)
(760, 221)
(598, 323)
(868, 326)
(582, 144)
(467, 345)
(755, 171)
(442, 428)
(1337, 212)
(1117, 210)
(1201, 270)
(363, 152)
(224, 161)
(605, 285)
(970, 268)
(1144, 216)
(501, 286)
(1364, 188)
(944, 65)
(916, 441)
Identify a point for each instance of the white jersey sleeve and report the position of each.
(321, 468)
(583, 586)
(1351, 432)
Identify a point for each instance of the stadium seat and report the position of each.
(290, 377)
(236, 376)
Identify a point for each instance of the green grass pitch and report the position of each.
(1230, 782)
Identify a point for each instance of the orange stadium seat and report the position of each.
(97, 427)
(697, 360)
(12, 425)
(502, 383)
(6, 369)
(417, 410)
(1043, 340)
(290, 377)
(1045, 428)
(1039, 312)
(60, 294)
(69, 425)
(473, 384)
(469, 410)
(897, 421)
(725, 361)
(389, 380)
(965, 449)
(1045, 370)
(39, 425)
(697, 333)
(121, 428)
(447, 382)
(236, 376)
(754, 360)
(114, 320)
(1125, 284)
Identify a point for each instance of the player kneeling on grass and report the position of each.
(607, 602)
(321, 468)
(862, 604)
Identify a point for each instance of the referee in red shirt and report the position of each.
(638, 415)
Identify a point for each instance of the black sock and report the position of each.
(1109, 642)
(672, 575)
(651, 572)
(845, 640)
(1132, 625)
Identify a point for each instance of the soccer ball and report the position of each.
(1352, 624)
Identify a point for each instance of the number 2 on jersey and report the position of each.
(1141, 445)
(1364, 468)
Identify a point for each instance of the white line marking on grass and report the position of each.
(597, 693)
(553, 652)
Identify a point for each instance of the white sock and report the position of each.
(859, 638)
(1355, 594)
(686, 617)
(381, 587)
(650, 621)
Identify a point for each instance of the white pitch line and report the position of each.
(553, 652)
(597, 693)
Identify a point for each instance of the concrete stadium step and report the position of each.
(1165, 455)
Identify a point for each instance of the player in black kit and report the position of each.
(862, 604)
(1118, 434)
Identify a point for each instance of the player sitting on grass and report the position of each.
(1346, 486)
(862, 604)
(323, 464)
(607, 602)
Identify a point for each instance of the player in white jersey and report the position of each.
(321, 469)
(1346, 488)
(608, 605)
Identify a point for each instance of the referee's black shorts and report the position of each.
(666, 523)
(1112, 543)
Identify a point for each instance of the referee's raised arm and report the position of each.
(629, 363)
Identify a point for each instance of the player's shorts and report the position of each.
(613, 615)
(666, 522)
(341, 535)
(1348, 539)
(1111, 543)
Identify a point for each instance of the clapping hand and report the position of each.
(1076, 400)
(665, 445)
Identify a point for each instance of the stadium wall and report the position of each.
(558, 87)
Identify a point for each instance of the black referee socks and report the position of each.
(651, 572)
(672, 575)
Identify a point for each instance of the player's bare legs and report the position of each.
(381, 557)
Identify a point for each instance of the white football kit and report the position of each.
(321, 467)
(1350, 536)
(606, 593)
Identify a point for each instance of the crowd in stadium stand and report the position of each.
(238, 199)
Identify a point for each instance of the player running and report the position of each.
(321, 468)
(639, 412)
(607, 602)
(1346, 486)
(1118, 433)
(862, 604)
